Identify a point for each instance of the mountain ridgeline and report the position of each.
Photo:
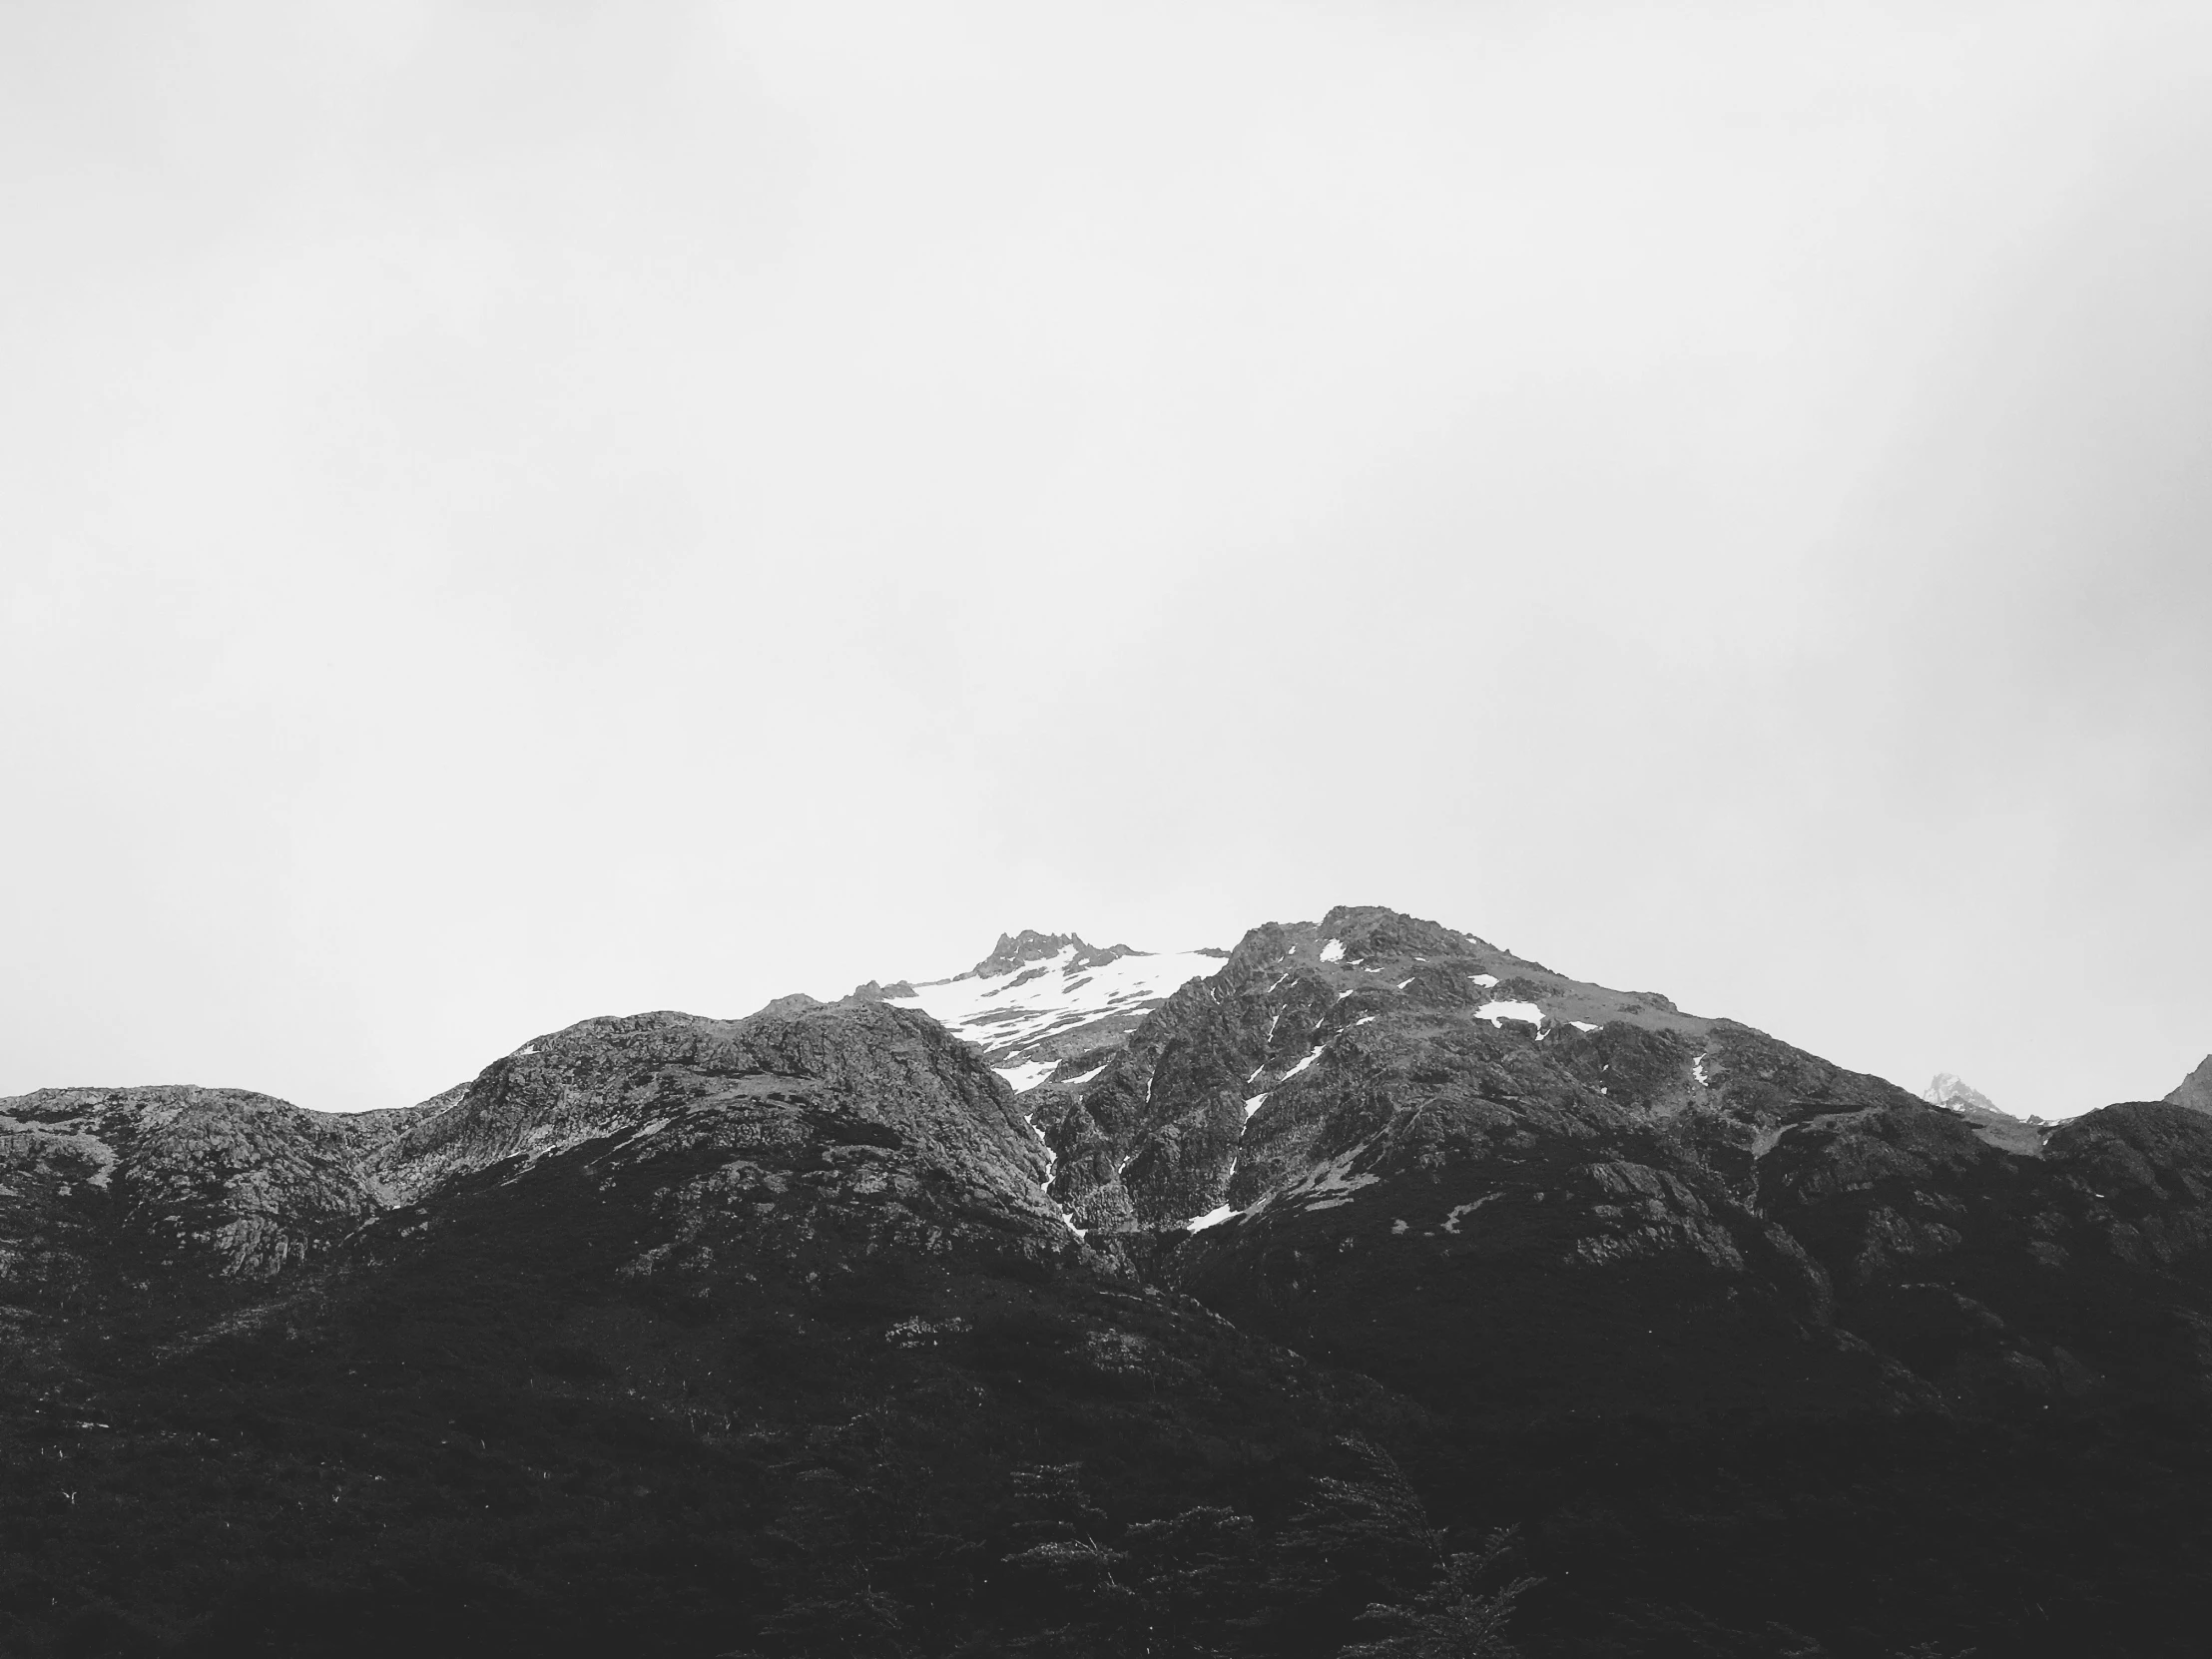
(1367, 1289)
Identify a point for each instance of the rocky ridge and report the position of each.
(162, 1178)
(253, 1182)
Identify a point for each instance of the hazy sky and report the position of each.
(511, 512)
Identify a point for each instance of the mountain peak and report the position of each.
(1043, 1003)
(1015, 952)
(2195, 1091)
(1995, 1126)
(1947, 1089)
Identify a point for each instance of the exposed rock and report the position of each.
(2195, 1090)
(1015, 952)
(234, 1178)
(250, 1185)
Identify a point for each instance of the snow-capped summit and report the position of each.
(1949, 1089)
(1991, 1122)
(1015, 952)
(1046, 1002)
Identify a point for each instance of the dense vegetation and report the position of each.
(491, 1445)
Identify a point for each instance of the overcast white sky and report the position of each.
(511, 512)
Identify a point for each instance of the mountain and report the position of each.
(1101, 1302)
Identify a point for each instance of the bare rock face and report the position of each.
(237, 1179)
(808, 1140)
(624, 1075)
(2195, 1090)
(248, 1186)
(1015, 952)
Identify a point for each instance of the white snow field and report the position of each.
(1018, 1018)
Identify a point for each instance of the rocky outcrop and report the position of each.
(622, 1075)
(1015, 952)
(2195, 1090)
(250, 1185)
(811, 1138)
(177, 1173)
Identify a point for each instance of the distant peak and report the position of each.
(1955, 1094)
(1949, 1089)
(1015, 952)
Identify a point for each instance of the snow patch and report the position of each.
(1496, 1012)
(1333, 952)
(1253, 1105)
(1008, 1014)
(1212, 1218)
(1581, 1025)
(1486, 980)
(1025, 1077)
(1460, 1211)
(1325, 1188)
(1303, 1064)
(1697, 1066)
